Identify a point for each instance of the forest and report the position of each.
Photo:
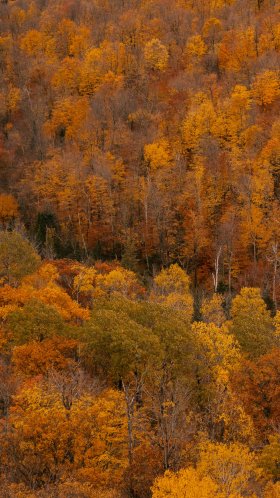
(139, 249)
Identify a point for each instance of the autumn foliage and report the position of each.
(139, 249)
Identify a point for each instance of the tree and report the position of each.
(118, 282)
(270, 457)
(172, 289)
(212, 310)
(256, 384)
(231, 467)
(211, 31)
(238, 50)
(129, 256)
(169, 386)
(83, 282)
(17, 257)
(217, 356)
(195, 49)
(156, 55)
(46, 440)
(35, 321)
(265, 89)
(35, 44)
(252, 324)
(42, 287)
(123, 351)
(222, 471)
(157, 155)
(147, 350)
(185, 484)
(68, 119)
(40, 358)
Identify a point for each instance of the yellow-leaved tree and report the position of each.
(185, 484)
(266, 88)
(59, 432)
(217, 357)
(118, 282)
(222, 471)
(212, 310)
(157, 155)
(156, 55)
(172, 289)
(252, 324)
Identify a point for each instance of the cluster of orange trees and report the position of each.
(148, 130)
(111, 389)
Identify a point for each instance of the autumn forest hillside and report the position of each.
(146, 129)
(139, 249)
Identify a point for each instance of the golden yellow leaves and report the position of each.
(240, 99)
(68, 118)
(79, 42)
(36, 44)
(91, 72)
(219, 348)
(71, 39)
(212, 310)
(103, 424)
(118, 282)
(266, 87)
(172, 279)
(219, 356)
(84, 439)
(252, 324)
(84, 281)
(13, 98)
(195, 49)
(55, 296)
(277, 324)
(232, 467)
(42, 287)
(211, 27)
(248, 300)
(270, 38)
(206, 6)
(156, 55)
(222, 471)
(67, 76)
(172, 289)
(185, 484)
(102, 65)
(269, 458)
(198, 122)
(158, 155)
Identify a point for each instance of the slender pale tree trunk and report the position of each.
(215, 274)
